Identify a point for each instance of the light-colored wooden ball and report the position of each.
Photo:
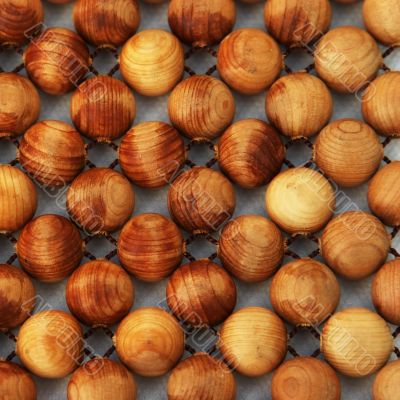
(49, 248)
(347, 58)
(249, 60)
(201, 377)
(300, 200)
(201, 107)
(251, 153)
(149, 341)
(150, 247)
(356, 342)
(294, 114)
(57, 60)
(304, 292)
(20, 104)
(16, 383)
(100, 200)
(52, 152)
(50, 344)
(386, 383)
(355, 244)
(201, 200)
(253, 340)
(296, 22)
(105, 24)
(379, 104)
(348, 151)
(384, 194)
(152, 62)
(251, 248)
(151, 154)
(102, 379)
(385, 291)
(17, 295)
(103, 108)
(305, 378)
(201, 23)
(18, 199)
(201, 293)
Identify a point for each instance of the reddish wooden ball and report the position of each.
(16, 383)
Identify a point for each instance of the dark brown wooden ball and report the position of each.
(201, 293)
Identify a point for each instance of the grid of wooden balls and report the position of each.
(300, 201)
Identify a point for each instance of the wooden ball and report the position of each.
(151, 154)
(100, 200)
(104, 25)
(150, 247)
(384, 194)
(150, 341)
(295, 22)
(305, 378)
(294, 114)
(152, 62)
(103, 108)
(304, 292)
(18, 199)
(201, 200)
(201, 293)
(49, 248)
(17, 295)
(348, 151)
(201, 23)
(20, 104)
(201, 377)
(386, 383)
(355, 244)
(50, 344)
(386, 291)
(254, 341)
(251, 153)
(201, 107)
(16, 383)
(18, 17)
(356, 342)
(102, 379)
(379, 104)
(99, 293)
(251, 248)
(57, 60)
(300, 200)
(347, 58)
(249, 60)
(52, 152)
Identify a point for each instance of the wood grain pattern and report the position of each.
(201, 107)
(18, 199)
(294, 114)
(57, 60)
(151, 153)
(251, 248)
(103, 108)
(386, 383)
(253, 341)
(201, 200)
(356, 342)
(201, 293)
(20, 104)
(52, 152)
(201, 377)
(50, 344)
(150, 247)
(49, 248)
(355, 244)
(251, 153)
(149, 341)
(249, 60)
(16, 383)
